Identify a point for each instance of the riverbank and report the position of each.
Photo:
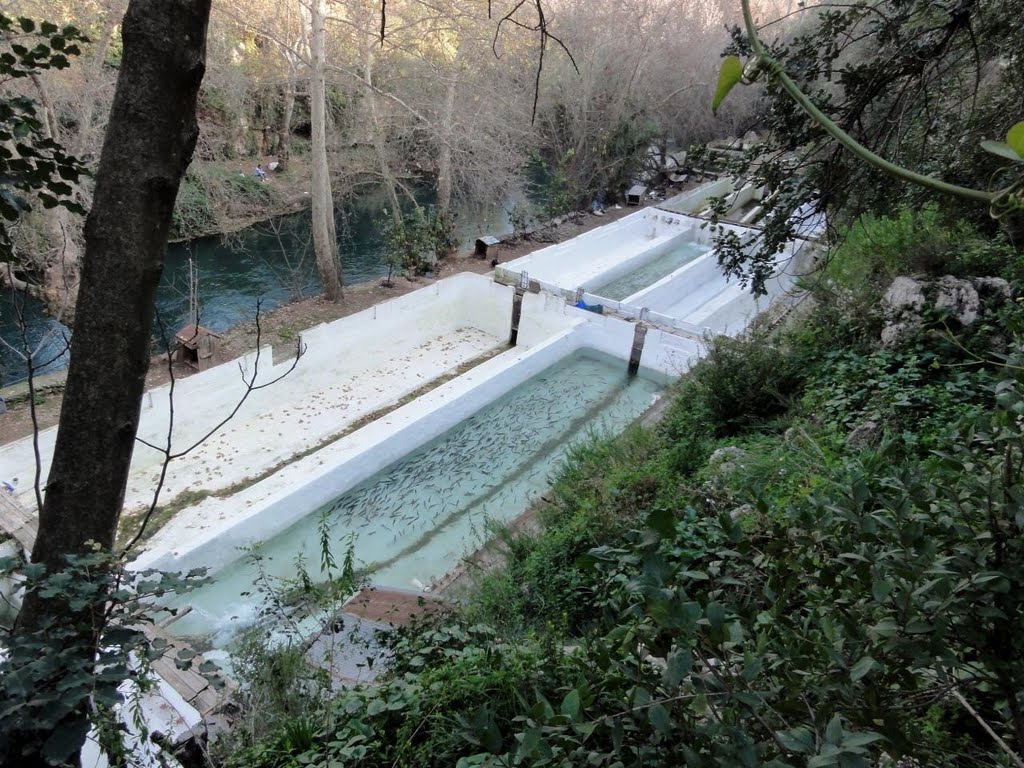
(222, 197)
(283, 324)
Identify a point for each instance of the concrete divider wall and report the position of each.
(543, 314)
(341, 466)
(680, 283)
(640, 258)
(696, 199)
(669, 354)
(601, 254)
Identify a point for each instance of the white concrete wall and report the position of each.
(604, 253)
(695, 200)
(209, 534)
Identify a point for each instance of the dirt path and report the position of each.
(282, 325)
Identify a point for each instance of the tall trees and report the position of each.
(149, 141)
(325, 239)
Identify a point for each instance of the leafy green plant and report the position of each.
(441, 231)
(46, 675)
(406, 240)
(520, 217)
(34, 165)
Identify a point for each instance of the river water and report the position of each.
(271, 262)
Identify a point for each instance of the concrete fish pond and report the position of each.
(410, 522)
(404, 430)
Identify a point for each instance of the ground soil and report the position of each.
(283, 324)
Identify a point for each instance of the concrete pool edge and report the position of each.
(214, 529)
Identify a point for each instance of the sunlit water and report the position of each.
(413, 521)
(271, 262)
(649, 273)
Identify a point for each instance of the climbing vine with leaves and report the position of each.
(868, 79)
(33, 165)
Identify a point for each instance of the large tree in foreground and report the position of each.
(149, 142)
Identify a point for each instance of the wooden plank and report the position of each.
(17, 521)
(190, 685)
(397, 607)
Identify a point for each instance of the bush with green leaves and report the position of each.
(406, 240)
(33, 165)
(441, 231)
(208, 195)
(877, 249)
(49, 674)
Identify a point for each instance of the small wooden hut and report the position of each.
(196, 346)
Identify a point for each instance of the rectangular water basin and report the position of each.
(412, 521)
(658, 266)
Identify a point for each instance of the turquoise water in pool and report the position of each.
(414, 520)
(651, 272)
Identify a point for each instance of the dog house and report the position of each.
(635, 194)
(483, 243)
(196, 346)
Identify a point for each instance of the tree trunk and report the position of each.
(378, 136)
(325, 240)
(149, 141)
(444, 159)
(284, 151)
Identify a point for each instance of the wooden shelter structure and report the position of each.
(196, 346)
(482, 244)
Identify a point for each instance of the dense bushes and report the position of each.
(877, 249)
(208, 196)
(746, 585)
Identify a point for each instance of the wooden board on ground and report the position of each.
(396, 607)
(193, 687)
(17, 521)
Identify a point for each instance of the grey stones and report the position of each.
(963, 300)
(724, 461)
(960, 297)
(864, 435)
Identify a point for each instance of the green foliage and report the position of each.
(746, 383)
(32, 164)
(562, 195)
(51, 674)
(877, 249)
(729, 76)
(441, 231)
(406, 241)
(520, 217)
(193, 212)
(209, 194)
(915, 391)
(859, 68)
